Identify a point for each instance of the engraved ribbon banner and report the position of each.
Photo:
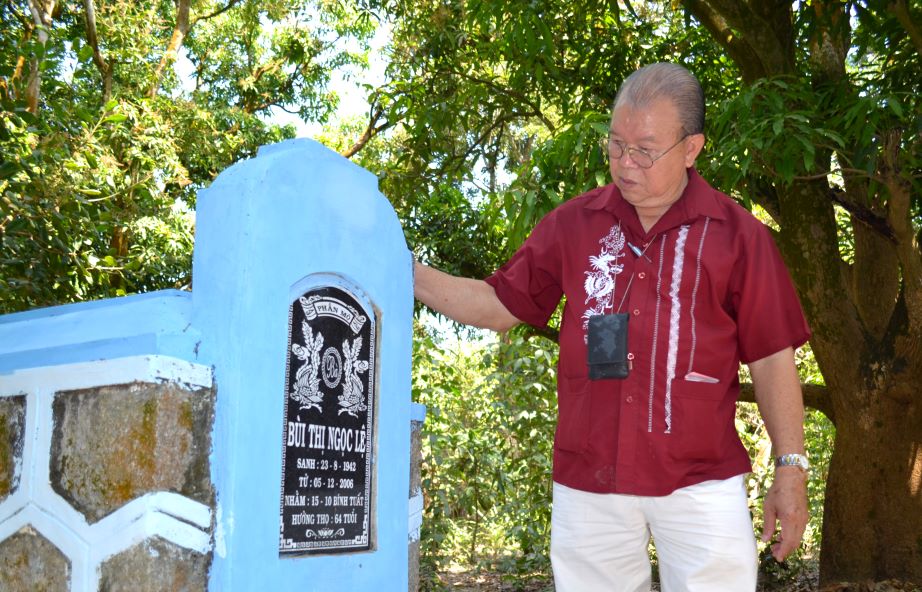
(317, 306)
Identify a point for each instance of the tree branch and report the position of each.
(28, 28)
(270, 66)
(105, 69)
(549, 333)
(899, 207)
(180, 30)
(250, 105)
(514, 94)
(498, 123)
(631, 9)
(218, 12)
(740, 52)
(901, 10)
(828, 41)
(750, 40)
(371, 130)
(41, 16)
(872, 219)
(816, 396)
(766, 195)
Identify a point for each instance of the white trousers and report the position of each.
(703, 536)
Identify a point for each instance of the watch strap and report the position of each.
(793, 460)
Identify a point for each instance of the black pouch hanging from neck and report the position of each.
(607, 345)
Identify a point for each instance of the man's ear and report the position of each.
(693, 146)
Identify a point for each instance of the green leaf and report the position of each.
(84, 114)
(895, 106)
(777, 126)
(8, 169)
(809, 153)
(85, 54)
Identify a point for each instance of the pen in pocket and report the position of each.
(698, 377)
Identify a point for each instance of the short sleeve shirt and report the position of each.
(704, 289)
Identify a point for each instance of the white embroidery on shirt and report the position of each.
(675, 315)
(601, 278)
(694, 333)
(659, 285)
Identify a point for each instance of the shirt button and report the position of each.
(636, 311)
(641, 275)
(629, 399)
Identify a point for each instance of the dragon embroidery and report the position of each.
(603, 270)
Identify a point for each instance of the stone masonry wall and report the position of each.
(153, 566)
(12, 431)
(109, 445)
(29, 562)
(113, 444)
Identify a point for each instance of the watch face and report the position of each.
(793, 460)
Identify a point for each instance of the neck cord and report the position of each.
(638, 253)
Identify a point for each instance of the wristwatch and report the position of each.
(793, 460)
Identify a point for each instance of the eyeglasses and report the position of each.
(641, 158)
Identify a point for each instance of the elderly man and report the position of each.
(669, 285)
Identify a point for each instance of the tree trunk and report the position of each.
(871, 359)
(866, 317)
(872, 363)
(872, 519)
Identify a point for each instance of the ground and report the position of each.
(485, 581)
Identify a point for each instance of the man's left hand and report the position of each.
(786, 502)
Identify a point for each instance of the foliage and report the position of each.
(513, 98)
(101, 158)
(486, 454)
(73, 201)
(782, 128)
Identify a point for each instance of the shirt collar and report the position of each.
(698, 200)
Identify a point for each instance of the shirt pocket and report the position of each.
(699, 428)
(690, 389)
(573, 409)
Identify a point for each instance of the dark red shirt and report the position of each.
(708, 291)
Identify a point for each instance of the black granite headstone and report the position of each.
(328, 435)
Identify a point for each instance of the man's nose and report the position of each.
(627, 160)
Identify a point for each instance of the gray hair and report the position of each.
(666, 81)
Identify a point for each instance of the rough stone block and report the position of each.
(416, 457)
(413, 552)
(416, 484)
(30, 562)
(155, 565)
(12, 430)
(115, 443)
